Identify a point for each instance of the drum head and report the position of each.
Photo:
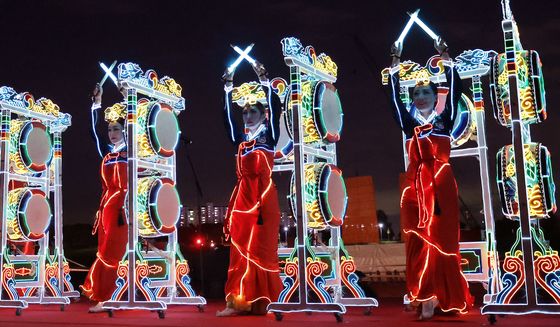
(37, 214)
(464, 124)
(35, 146)
(334, 198)
(327, 112)
(166, 207)
(329, 190)
(163, 129)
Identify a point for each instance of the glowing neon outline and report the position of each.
(417, 20)
(244, 54)
(109, 73)
(407, 27)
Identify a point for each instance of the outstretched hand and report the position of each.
(97, 94)
(260, 71)
(396, 49)
(227, 77)
(440, 45)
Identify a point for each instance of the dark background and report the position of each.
(51, 49)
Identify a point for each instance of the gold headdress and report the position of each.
(423, 79)
(248, 94)
(115, 113)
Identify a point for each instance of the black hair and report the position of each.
(433, 87)
(121, 121)
(259, 106)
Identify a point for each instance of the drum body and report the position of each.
(157, 130)
(321, 112)
(530, 83)
(31, 148)
(326, 199)
(158, 206)
(540, 185)
(464, 125)
(285, 145)
(28, 214)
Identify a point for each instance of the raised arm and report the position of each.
(95, 134)
(273, 101)
(234, 133)
(400, 113)
(454, 81)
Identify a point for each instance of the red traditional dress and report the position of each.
(112, 234)
(430, 221)
(253, 216)
(429, 204)
(252, 222)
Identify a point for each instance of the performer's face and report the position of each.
(424, 97)
(252, 116)
(115, 133)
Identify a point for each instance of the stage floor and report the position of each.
(390, 313)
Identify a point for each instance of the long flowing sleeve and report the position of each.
(401, 115)
(234, 134)
(450, 111)
(101, 145)
(274, 107)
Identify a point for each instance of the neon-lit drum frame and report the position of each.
(465, 122)
(306, 287)
(319, 179)
(150, 194)
(318, 129)
(31, 151)
(135, 288)
(538, 175)
(22, 152)
(153, 140)
(20, 224)
(530, 82)
(531, 268)
(329, 134)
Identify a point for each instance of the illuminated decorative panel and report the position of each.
(540, 184)
(325, 194)
(530, 84)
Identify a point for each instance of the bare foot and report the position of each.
(228, 312)
(428, 309)
(97, 308)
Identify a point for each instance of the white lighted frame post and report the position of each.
(164, 90)
(303, 61)
(59, 262)
(51, 282)
(471, 64)
(531, 273)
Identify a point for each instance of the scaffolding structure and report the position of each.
(316, 278)
(30, 186)
(531, 268)
(150, 278)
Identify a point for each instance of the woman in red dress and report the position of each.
(253, 217)
(429, 202)
(109, 224)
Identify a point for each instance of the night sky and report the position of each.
(51, 49)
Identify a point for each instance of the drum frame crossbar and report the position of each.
(303, 153)
(60, 289)
(129, 298)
